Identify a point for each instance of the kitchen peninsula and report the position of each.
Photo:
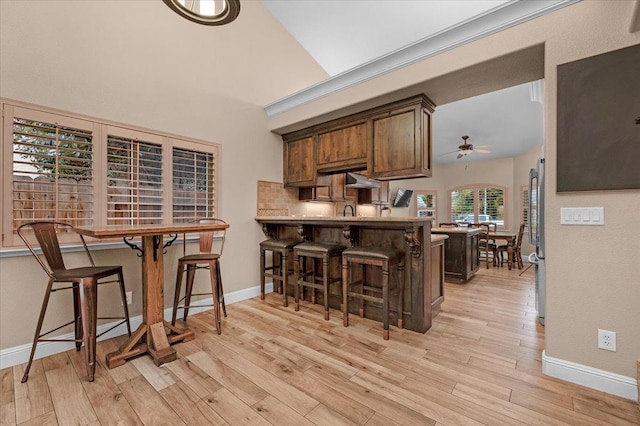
(423, 287)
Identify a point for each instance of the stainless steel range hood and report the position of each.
(355, 180)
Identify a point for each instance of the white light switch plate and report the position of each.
(582, 215)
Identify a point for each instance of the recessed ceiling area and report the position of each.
(508, 120)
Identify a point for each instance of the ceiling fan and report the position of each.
(467, 148)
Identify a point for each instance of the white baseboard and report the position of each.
(605, 381)
(20, 354)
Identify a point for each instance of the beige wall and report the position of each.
(591, 279)
(124, 64)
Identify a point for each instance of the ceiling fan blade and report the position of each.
(459, 156)
(486, 146)
(450, 152)
(482, 150)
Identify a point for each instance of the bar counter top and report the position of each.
(340, 219)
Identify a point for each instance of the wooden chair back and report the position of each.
(210, 241)
(520, 236)
(448, 225)
(46, 236)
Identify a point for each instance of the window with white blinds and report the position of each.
(524, 205)
(193, 185)
(52, 170)
(57, 165)
(134, 188)
(477, 204)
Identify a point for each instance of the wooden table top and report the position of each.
(109, 231)
(502, 234)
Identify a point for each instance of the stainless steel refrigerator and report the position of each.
(536, 232)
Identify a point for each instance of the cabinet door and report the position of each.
(374, 195)
(335, 192)
(343, 149)
(400, 145)
(337, 187)
(299, 163)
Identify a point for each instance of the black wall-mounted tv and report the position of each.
(403, 198)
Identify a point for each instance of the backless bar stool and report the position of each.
(315, 251)
(380, 257)
(279, 270)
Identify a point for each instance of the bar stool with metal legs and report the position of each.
(208, 258)
(383, 258)
(315, 251)
(282, 251)
(82, 281)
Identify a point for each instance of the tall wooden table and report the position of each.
(155, 335)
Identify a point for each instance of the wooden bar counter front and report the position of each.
(411, 235)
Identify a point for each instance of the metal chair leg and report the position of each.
(36, 337)
(176, 295)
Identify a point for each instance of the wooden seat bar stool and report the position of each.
(383, 258)
(282, 251)
(83, 281)
(309, 278)
(208, 258)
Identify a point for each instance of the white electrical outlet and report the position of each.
(607, 340)
(129, 297)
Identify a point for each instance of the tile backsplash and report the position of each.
(276, 200)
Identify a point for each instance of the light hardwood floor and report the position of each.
(479, 364)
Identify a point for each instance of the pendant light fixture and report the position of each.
(206, 12)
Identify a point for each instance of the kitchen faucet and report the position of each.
(344, 211)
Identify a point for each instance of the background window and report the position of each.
(477, 204)
(61, 166)
(193, 185)
(134, 188)
(52, 177)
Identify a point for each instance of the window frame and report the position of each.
(100, 130)
(431, 212)
(524, 206)
(476, 197)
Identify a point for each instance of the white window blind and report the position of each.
(524, 206)
(462, 205)
(193, 185)
(478, 204)
(134, 188)
(58, 165)
(52, 170)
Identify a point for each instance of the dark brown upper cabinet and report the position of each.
(343, 149)
(334, 192)
(392, 141)
(400, 142)
(299, 162)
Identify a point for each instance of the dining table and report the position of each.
(509, 237)
(155, 335)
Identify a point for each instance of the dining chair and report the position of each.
(83, 282)
(448, 225)
(486, 246)
(208, 258)
(517, 249)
